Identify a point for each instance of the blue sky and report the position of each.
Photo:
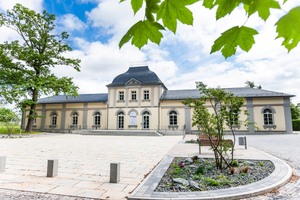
(96, 27)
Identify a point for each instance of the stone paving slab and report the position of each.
(279, 177)
(83, 163)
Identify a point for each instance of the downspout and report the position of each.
(107, 116)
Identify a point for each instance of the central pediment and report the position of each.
(133, 81)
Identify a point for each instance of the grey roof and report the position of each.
(241, 91)
(82, 98)
(141, 74)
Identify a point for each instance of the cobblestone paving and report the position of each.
(286, 147)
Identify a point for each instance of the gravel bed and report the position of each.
(200, 174)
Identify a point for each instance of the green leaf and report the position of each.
(136, 5)
(288, 27)
(141, 32)
(171, 10)
(225, 7)
(151, 7)
(208, 3)
(230, 39)
(262, 7)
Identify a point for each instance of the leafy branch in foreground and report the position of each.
(171, 11)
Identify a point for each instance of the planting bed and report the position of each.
(187, 174)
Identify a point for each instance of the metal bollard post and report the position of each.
(114, 172)
(52, 167)
(2, 163)
(245, 142)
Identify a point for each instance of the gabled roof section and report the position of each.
(82, 98)
(241, 92)
(141, 74)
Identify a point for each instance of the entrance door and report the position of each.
(146, 116)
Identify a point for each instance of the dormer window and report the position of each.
(146, 94)
(121, 96)
(133, 95)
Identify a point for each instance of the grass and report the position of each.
(3, 130)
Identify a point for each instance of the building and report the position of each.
(139, 100)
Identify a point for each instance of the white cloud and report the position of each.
(31, 4)
(71, 22)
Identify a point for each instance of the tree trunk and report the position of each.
(32, 112)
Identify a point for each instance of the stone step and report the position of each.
(117, 132)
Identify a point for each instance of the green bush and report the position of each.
(296, 124)
(200, 170)
(234, 163)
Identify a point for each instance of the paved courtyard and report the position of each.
(84, 163)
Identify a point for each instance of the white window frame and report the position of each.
(133, 95)
(121, 95)
(146, 95)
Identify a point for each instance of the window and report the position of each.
(146, 116)
(234, 121)
(268, 117)
(146, 94)
(133, 95)
(173, 118)
(34, 120)
(121, 96)
(54, 119)
(97, 119)
(75, 119)
(121, 120)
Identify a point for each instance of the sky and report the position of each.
(96, 27)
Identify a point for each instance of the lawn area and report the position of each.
(3, 130)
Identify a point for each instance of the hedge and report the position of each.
(296, 124)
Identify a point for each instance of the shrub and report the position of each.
(261, 164)
(224, 181)
(296, 124)
(200, 169)
(234, 163)
(178, 171)
(211, 182)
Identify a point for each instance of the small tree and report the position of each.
(9, 119)
(25, 67)
(295, 111)
(226, 111)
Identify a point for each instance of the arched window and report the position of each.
(146, 117)
(97, 119)
(173, 118)
(75, 118)
(121, 120)
(268, 117)
(54, 119)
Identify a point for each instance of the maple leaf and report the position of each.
(261, 6)
(288, 27)
(136, 5)
(230, 39)
(173, 10)
(141, 32)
